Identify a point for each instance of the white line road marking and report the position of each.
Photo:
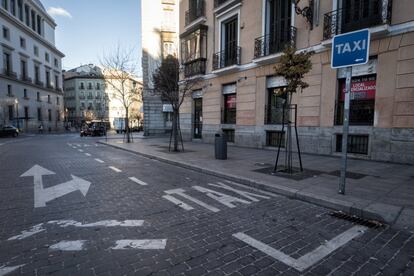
(87, 154)
(28, 233)
(178, 202)
(4, 270)
(248, 195)
(115, 169)
(69, 245)
(136, 180)
(104, 223)
(140, 244)
(196, 201)
(80, 150)
(309, 259)
(220, 197)
(43, 195)
(99, 160)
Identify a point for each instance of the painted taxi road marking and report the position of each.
(115, 169)
(99, 160)
(136, 180)
(43, 195)
(67, 223)
(225, 199)
(80, 245)
(310, 258)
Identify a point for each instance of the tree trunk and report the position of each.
(175, 128)
(127, 126)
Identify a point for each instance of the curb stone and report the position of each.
(370, 212)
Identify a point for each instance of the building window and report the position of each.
(273, 138)
(26, 113)
(27, 13)
(25, 93)
(20, 9)
(6, 33)
(4, 4)
(7, 63)
(48, 98)
(37, 74)
(229, 51)
(39, 25)
(98, 86)
(13, 7)
(23, 69)
(11, 112)
(57, 100)
(362, 101)
(229, 110)
(38, 96)
(36, 50)
(33, 15)
(47, 57)
(39, 114)
(48, 79)
(357, 144)
(229, 134)
(23, 43)
(276, 101)
(90, 86)
(56, 82)
(82, 85)
(58, 115)
(56, 62)
(49, 114)
(168, 49)
(9, 90)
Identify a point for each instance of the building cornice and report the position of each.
(30, 32)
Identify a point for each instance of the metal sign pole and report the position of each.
(346, 129)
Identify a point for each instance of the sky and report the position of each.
(89, 29)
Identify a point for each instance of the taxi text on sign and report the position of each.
(350, 49)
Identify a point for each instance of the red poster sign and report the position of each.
(231, 101)
(360, 89)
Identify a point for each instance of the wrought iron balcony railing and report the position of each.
(26, 79)
(9, 73)
(39, 83)
(227, 58)
(272, 44)
(195, 67)
(373, 13)
(194, 13)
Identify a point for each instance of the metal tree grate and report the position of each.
(357, 220)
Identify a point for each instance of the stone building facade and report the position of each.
(235, 45)
(159, 39)
(30, 68)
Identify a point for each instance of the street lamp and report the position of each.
(16, 101)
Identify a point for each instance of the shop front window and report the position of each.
(362, 105)
(229, 112)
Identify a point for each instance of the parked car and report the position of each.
(9, 131)
(86, 131)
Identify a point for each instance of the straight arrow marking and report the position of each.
(8, 269)
(309, 259)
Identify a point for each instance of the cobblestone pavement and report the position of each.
(109, 212)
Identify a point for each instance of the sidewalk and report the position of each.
(374, 190)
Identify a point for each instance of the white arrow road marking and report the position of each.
(87, 154)
(43, 195)
(28, 233)
(8, 269)
(136, 180)
(99, 160)
(115, 169)
(140, 244)
(309, 259)
(69, 245)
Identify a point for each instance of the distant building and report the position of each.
(85, 97)
(89, 97)
(30, 67)
(159, 39)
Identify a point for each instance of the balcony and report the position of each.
(39, 83)
(271, 44)
(82, 97)
(195, 67)
(49, 86)
(9, 73)
(195, 13)
(373, 13)
(227, 58)
(26, 79)
(90, 97)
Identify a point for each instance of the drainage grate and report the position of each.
(357, 220)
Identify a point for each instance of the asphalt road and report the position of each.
(71, 206)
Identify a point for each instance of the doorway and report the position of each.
(198, 118)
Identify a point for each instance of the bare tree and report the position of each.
(167, 83)
(119, 70)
